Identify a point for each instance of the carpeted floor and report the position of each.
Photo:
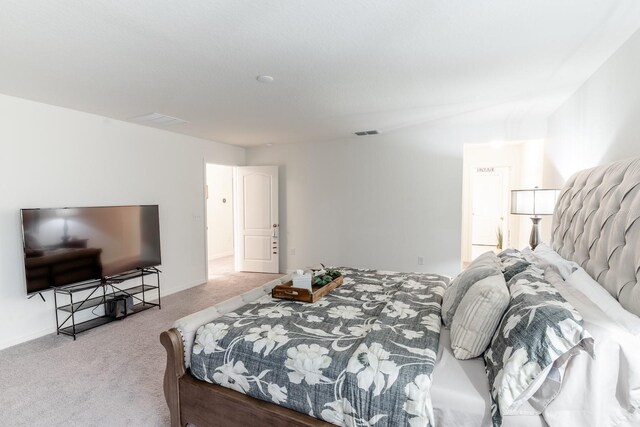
(219, 267)
(109, 376)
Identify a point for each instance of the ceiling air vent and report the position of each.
(367, 132)
(158, 120)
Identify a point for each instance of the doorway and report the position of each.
(242, 228)
(489, 188)
(490, 172)
(220, 258)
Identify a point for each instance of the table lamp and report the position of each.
(535, 203)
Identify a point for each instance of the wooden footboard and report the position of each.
(204, 404)
(172, 342)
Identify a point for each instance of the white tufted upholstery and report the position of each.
(596, 225)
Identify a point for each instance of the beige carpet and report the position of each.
(109, 376)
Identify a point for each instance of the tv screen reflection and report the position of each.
(70, 245)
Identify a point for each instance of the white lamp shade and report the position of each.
(534, 202)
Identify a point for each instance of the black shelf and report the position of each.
(82, 305)
(137, 308)
(94, 302)
(132, 275)
(103, 320)
(78, 287)
(86, 295)
(132, 291)
(85, 326)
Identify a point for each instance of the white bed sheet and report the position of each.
(603, 391)
(460, 392)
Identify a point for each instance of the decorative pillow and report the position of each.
(537, 336)
(482, 267)
(477, 317)
(513, 262)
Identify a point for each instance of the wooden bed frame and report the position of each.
(204, 404)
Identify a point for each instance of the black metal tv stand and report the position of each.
(96, 293)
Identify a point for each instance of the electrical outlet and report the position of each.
(420, 260)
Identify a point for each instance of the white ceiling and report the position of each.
(339, 66)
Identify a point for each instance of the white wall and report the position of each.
(52, 157)
(380, 201)
(219, 213)
(600, 123)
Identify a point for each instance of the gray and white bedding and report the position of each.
(363, 355)
(599, 384)
(538, 335)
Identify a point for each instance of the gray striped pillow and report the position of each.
(477, 317)
(487, 264)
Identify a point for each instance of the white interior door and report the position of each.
(489, 203)
(256, 219)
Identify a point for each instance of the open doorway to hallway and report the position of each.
(219, 220)
(490, 172)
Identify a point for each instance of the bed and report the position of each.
(594, 380)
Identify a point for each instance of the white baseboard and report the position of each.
(24, 338)
(52, 329)
(179, 288)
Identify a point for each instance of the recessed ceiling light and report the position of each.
(268, 144)
(264, 79)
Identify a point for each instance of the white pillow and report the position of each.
(477, 317)
(598, 295)
(547, 257)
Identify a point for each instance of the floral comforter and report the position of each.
(361, 356)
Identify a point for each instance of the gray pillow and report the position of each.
(513, 262)
(537, 336)
(513, 268)
(477, 317)
(484, 266)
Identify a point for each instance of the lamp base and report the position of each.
(534, 239)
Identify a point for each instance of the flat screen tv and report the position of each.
(71, 245)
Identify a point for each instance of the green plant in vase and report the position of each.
(326, 276)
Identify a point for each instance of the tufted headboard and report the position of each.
(596, 224)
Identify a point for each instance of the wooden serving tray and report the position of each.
(287, 291)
